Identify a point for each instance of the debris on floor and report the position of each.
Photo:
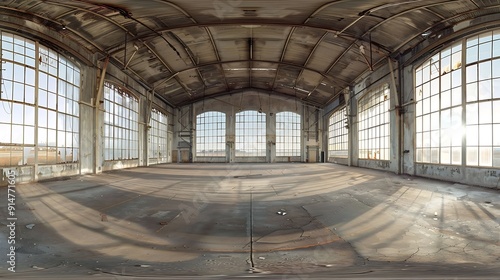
(104, 217)
(30, 226)
(281, 212)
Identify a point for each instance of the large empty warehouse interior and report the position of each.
(325, 138)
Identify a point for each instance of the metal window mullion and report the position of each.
(464, 103)
(37, 69)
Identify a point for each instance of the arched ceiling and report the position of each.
(193, 49)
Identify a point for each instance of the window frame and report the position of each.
(121, 123)
(374, 124)
(293, 139)
(47, 111)
(256, 129)
(337, 122)
(216, 136)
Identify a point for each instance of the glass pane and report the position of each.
(496, 156)
(42, 137)
(485, 70)
(496, 88)
(29, 135)
(29, 115)
(485, 156)
(472, 156)
(472, 113)
(496, 135)
(485, 135)
(17, 134)
(486, 115)
(472, 54)
(17, 113)
(445, 155)
(485, 51)
(472, 135)
(471, 75)
(5, 135)
(456, 155)
(52, 121)
(456, 96)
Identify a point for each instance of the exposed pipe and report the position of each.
(393, 82)
(132, 56)
(369, 11)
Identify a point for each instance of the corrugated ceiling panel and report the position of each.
(301, 44)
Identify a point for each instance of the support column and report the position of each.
(98, 147)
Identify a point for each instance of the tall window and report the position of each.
(121, 132)
(483, 99)
(158, 135)
(445, 96)
(337, 134)
(58, 111)
(439, 108)
(250, 134)
(288, 134)
(374, 132)
(211, 134)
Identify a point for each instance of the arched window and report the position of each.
(211, 134)
(158, 135)
(121, 131)
(373, 125)
(250, 134)
(337, 134)
(288, 134)
(445, 96)
(58, 91)
(438, 108)
(482, 108)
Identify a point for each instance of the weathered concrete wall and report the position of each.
(250, 100)
(408, 119)
(328, 112)
(402, 114)
(87, 120)
(146, 102)
(183, 139)
(91, 158)
(486, 177)
(118, 164)
(23, 174)
(368, 82)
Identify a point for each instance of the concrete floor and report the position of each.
(210, 220)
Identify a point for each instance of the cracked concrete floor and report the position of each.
(221, 220)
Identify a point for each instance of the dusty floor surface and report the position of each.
(279, 221)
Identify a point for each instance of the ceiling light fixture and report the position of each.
(426, 34)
